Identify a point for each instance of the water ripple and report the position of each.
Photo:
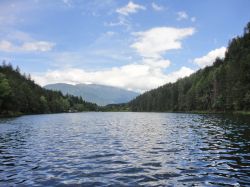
(125, 149)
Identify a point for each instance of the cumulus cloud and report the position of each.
(156, 62)
(152, 44)
(147, 74)
(156, 41)
(182, 72)
(157, 7)
(138, 77)
(209, 58)
(42, 46)
(130, 8)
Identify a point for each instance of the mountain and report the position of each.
(99, 94)
(20, 95)
(224, 86)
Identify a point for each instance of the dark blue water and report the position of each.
(125, 149)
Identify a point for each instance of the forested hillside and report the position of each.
(20, 95)
(224, 86)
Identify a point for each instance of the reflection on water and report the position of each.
(125, 149)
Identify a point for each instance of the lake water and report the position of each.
(125, 149)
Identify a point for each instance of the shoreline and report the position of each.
(243, 113)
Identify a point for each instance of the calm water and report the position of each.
(125, 149)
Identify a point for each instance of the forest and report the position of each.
(20, 95)
(222, 87)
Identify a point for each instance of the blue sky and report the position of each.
(136, 45)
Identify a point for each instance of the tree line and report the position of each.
(20, 95)
(224, 86)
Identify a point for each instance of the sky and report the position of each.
(136, 45)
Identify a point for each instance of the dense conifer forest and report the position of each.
(20, 95)
(221, 87)
(224, 86)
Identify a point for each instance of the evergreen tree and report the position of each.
(224, 86)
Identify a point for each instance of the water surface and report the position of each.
(125, 149)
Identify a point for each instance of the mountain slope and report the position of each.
(224, 86)
(99, 94)
(20, 95)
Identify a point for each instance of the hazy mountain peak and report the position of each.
(99, 94)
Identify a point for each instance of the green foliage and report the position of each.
(20, 95)
(4, 86)
(43, 104)
(116, 108)
(224, 86)
(5, 89)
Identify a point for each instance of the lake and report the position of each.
(125, 149)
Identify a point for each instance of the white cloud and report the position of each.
(209, 58)
(67, 3)
(156, 62)
(145, 75)
(41, 46)
(13, 13)
(182, 72)
(6, 46)
(157, 7)
(130, 8)
(182, 15)
(138, 77)
(37, 46)
(156, 41)
(109, 33)
(122, 21)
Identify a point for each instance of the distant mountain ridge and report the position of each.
(99, 94)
